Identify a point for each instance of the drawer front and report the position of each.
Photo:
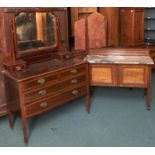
(40, 81)
(102, 75)
(52, 102)
(133, 75)
(55, 88)
(73, 72)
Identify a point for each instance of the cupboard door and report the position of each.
(127, 21)
(139, 27)
(133, 75)
(132, 26)
(103, 75)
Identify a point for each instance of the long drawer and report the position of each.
(52, 102)
(40, 81)
(73, 71)
(55, 88)
(53, 77)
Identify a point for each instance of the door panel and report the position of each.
(102, 75)
(133, 75)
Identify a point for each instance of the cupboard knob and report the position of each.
(67, 56)
(18, 68)
(42, 92)
(74, 81)
(75, 92)
(41, 81)
(131, 11)
(74, 71)
(43, 104)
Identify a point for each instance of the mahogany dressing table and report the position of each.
(36, 79)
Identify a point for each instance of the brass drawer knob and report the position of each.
(74, 81)
(67, 56)
(74, 71)
(75, 92)
(42, 92)
(18, 68)
(43, 104)
(41, 81)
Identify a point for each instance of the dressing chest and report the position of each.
(45, 86)
(36, 79)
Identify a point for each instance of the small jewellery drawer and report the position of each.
(73, 71)
(55, 88)
(40, 81)
(52, 102)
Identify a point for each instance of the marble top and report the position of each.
(118, 59)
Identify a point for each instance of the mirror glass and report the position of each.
(35, 30)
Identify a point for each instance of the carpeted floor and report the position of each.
(118, 117)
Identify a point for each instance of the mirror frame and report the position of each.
(29, 52)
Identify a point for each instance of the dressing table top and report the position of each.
(42, 68)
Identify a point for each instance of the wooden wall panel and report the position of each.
(97, 31)
(112, 15)
(3, 106)
(79, 13)
(80, 33)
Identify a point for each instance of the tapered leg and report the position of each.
(148, 98)
(24, 126)
(148, 90)
(145, 91)
(88, 91)
(10, 116)
(23, 112)
(88, 102)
